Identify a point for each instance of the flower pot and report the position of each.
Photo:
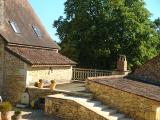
(52, 86)
(5, 115)
(40, 85)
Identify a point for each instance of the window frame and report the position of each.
(14, 27)
(37, 31)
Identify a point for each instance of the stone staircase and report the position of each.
(96, 106)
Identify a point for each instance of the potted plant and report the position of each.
(5, 107)
(40, 84)
(17, 115)
(52, 85)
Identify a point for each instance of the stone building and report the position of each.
(27, 53)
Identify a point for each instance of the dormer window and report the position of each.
(37, 31)
(15, 27)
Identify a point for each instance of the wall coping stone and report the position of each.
(57, 91)
(105, 77)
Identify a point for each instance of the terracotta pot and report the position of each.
(5, 116)
(40, 85)
(52, 86)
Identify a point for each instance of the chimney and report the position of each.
(122, 63)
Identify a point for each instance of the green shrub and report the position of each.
(5, 107)
(17, 112)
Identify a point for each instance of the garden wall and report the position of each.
(137, 100)
(69, 109)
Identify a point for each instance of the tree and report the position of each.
(95, 32)
(157, 28)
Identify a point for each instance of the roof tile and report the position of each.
(134, 87)
(40, 56)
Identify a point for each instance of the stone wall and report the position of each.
(61, 74)
(1, 13)
(135, 106)
(149, 72)
(1, 63)
(69, 110)
(35, 93)
(14, 78)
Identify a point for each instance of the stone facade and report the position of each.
(69, 110)
(149, 72)
(14, 82)
(16, 75)
(24, 55)
(135, 106)
(61, 74)
(1, 63)
(1, 13)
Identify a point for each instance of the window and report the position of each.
(37, 31)
(14, 27)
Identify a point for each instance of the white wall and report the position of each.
(62, 74)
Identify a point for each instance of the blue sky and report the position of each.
(50, 10)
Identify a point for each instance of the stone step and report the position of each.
(116, 116)
(126, 119)
(82, 99)
(99, 108)
(93, 103)
(108, 111)
(76, 94)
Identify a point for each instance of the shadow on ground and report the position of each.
(31, 114)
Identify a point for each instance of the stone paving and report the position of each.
(72, 87)
(31, 114)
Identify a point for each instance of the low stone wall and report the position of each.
(135, 106)
(69, 109)
(35, 93)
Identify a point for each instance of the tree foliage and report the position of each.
(157, 28)
(95, 32)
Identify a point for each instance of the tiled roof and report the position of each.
(40, 56)
(22, 13)
(134, 87)
(148, 72)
